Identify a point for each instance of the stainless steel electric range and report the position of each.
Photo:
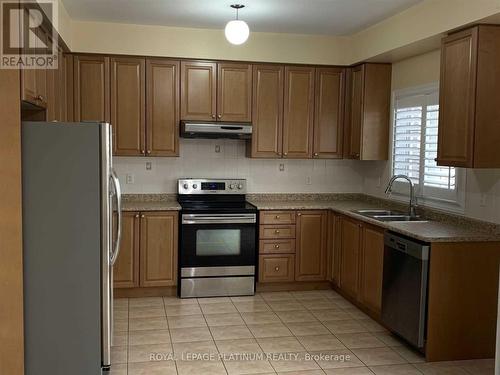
(217, 240)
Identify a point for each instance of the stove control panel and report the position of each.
(211, 186)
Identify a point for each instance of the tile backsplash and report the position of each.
(198, 158)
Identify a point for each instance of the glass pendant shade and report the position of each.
(237, 32)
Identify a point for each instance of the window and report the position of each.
(415, 139)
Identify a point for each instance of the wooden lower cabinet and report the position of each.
(311, 242)
(350, 244)
(276, 268)
(148, 252)
(371, 268)
(158, 249)
(126, 268)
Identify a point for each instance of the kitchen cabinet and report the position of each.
(162, 101)
(350, 247)
(198, 90)
(298, 112)
(328, 113)
(333, 248)
(126, 268)
(311, 242)
(148, 252)
(91, 85)
(366, 135)
(158, 249)
(216, 91)
(371, 268)
(234, 92)
(41, 74)
(128, 105)
(276, 268)
(468, 99)
(267, 112)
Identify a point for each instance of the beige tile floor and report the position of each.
(306, 333)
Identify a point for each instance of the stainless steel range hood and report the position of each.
(198, 129)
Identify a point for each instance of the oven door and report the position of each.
(218, 240)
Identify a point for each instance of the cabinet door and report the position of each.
(355, 112)
(349, 257)
(267, 111)
(41, 74)
(126, 268)
(162, 100)
(198, 90)
(158, 249)
(329, 113)
(234, 92)
(298, 112)
(28, 76)
(91, 88)
(128, 111)
(311, 246)
(457, 99)
(371, 268)
(52, 114)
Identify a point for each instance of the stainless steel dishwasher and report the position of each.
(404, 291)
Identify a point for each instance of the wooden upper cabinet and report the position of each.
(267, 111)
(350, 247)
(468, 133)
(311, 246)
(91, 93)
(128, 112)
(368, 112)
(158, 249)
(198, 90)
(41, 74)
(371, 268)
(329, 113)
(234, 92)
(162, 100)
(126, 268)
(298, 112)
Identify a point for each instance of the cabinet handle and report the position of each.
(285, 153)
(277, 217)
(276, 246)
(143, 151)
(136, 215)
(219, 116)
(315, 154)
(142, 216)
(277, 231)
(40, 98)
(276, 268)
(299, 214)
(213, 116)
(149, 151)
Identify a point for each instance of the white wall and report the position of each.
(199, 159)
(482, 191)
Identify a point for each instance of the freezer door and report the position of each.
(65, 248)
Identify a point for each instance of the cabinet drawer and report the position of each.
(276, 231)
(275, 268)
(277, 217)
(277, 246)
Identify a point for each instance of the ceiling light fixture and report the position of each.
(237, 31)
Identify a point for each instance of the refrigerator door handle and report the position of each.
(118, 196)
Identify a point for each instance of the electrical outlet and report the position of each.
(217, 149)
(308, 180)
(282, 167)
(129, 179)
(149, 165)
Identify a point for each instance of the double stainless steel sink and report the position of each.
(388, 215)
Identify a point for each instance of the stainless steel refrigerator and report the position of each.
(69, 246)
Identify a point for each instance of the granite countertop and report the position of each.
(438, 228)
(150, 202)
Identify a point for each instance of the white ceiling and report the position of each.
(328, 17)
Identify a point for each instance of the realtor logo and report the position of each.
(28, 38)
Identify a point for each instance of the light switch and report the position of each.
(129, 179)
(282, 167)
(149, 166)
(308, 180)
(217, 148)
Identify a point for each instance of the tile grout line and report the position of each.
(170, 334)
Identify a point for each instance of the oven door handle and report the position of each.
(219, 219)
